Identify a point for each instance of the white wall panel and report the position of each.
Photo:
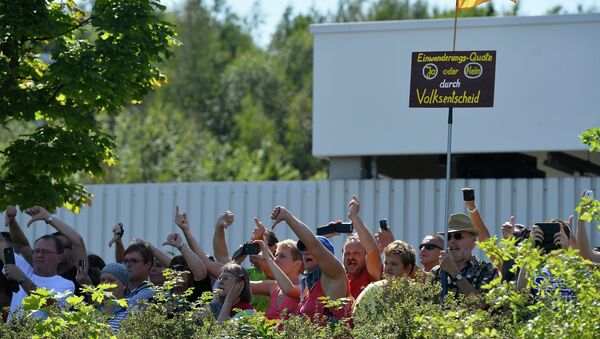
(362, 80)
(414, 208)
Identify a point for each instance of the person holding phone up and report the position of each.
(324, 274)
(465, 273)
(46, 256)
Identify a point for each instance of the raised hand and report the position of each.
(279, 214)
(11, 214)
(37, 213)
(561, 238)
(82, 277)
(174, 240)
(537, 235)
(13, 272)
(233, 297)
(262, 246)
(259, 230)
(448, 264)
(181, 220)
(117, 234)
(226, 219)
(508, 228)
(384, 238)
(354, 206)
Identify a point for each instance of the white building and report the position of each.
(546, 94)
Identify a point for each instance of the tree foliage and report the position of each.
(231, 110)
(62, 67)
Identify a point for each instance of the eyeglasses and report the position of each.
(131, 261)
(457, 236)
(429, 247)
(43, 252)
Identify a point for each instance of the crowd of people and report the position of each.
(286, 277)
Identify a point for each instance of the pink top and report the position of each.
(311, 304)
(288, 303)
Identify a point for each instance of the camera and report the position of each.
(340, 227)
(246, 249)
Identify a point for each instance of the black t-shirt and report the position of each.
(71, 274)
(200, 286)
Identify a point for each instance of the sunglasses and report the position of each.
(457, 236)
(429, 247)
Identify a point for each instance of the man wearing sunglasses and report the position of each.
(429, 251)
(465, 273)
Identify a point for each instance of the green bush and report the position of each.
(401, 309)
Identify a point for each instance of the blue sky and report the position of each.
(273, 9)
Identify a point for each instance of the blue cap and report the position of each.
(323, 240)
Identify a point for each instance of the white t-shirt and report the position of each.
(56, 284)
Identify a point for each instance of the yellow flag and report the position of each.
(462, 4)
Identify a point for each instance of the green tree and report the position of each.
(50, 74)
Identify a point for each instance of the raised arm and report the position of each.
(181, 220)
(117, 239)
(476, 219)
(220, 250)
(334, 276)
(20, 241)
(258, 233)
(285, 284)
(79, 251)
(367, 240)
(193, 261)
(161, 256)
(583, 241)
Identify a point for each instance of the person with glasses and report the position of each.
(465, 273)
(42, 273)
(429, 251)
(260, 270)
(138, 260)
(233, 294)
(74, 255)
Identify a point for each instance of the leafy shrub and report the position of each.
(401, 309)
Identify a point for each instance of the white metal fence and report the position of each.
(414, 208)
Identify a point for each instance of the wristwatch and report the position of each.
(49, 220)
(458, 277)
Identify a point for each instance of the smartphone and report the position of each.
(588, 194)
(250, 248)
(383, 224)
(469, 195)
(549, 229)
(122, 230)
(9, 256)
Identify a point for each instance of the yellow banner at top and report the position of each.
(462, 4)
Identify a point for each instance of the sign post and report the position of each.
(452, 79)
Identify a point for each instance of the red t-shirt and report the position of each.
(311, 305)
(288, 303)
(358, 284)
